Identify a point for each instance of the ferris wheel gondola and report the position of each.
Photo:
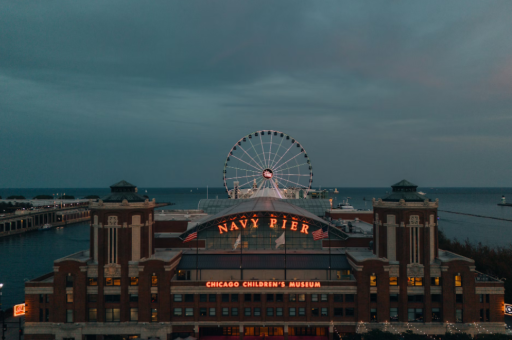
(266, 163)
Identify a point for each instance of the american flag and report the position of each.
(190, 237)
(321, 233)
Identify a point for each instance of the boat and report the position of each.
(47, 226)
(336, 191)
(346, 206)
(422, 193)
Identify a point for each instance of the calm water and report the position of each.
(32, 254)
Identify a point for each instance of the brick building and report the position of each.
(259, 269)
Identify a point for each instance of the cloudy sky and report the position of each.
(157, 92)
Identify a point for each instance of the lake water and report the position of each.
(29, 255)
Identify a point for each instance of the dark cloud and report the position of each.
(157, 92)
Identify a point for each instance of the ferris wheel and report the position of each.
(267, 163)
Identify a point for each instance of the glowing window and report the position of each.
(373, 281)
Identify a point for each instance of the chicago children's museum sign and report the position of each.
(280, 223)
(262, 284)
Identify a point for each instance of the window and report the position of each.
(69, 298)
(270, 297)
(415, 298)
(302, 311)
(225, 297)
(189, 297)
(373, 297)
(270, 311)
(154, 315)
(393, 297)
(373, 315)
(415, 281)
(134, 298)
(202, 311)
(436, 297)
(47, 298)
(291, 311)
(247, 311)
(279, 311)
(338, 297)
(47, 314)
(302, 297)
(338, 311)
(225, 311)
(314, 311)
(247, 297)
(487, 298)
(212, 311)
(154, 297)
(69, 315)
(91, 281)
(257, 297)
(323, 297)
(257, 311)
(92, 297)
(436, 315)
(134, 281)
(112, 315)
(212, 298)
(69, 281)
(415, 315)
(323, 312)
(234, 297)
(112, 281)
(487, 315)
(93, 315)
(203, 297)
(393, 314)
(458, 298)
(112, 298)
(393, 281)
(154, 281)
(293, 297)
(435, 281)
(134, 314)
(178, 312)
(481, 315)
(41, 316)
(349, 312)
(189, 311)
(314, 297)
(349, 297)
(414, 220)
(183, 275)
(373, 281)
(343, 274)
(458, 315)
(481, 298)
(234, 311)
(279, 297)
(458, 281)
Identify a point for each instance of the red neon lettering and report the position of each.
(317, 284)
(221, 228)
(283, 285)
(265, 284)
(294, 225)
(254, 222)
(236, 284)
(230, 284)
(243, 223)
(244, 284)
(273, 222)
(234, 227)
(311, 284)
(292, 284)
(302, 284)
(208, 284)
(284, 224)
(220, 285)
(304, 229)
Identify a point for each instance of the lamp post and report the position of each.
(2, 313)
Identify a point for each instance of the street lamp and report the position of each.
(2, 312)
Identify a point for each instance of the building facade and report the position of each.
(263, 267)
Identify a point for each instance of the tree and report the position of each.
(376, 334)
(457, 336)
(16, 197)
(43, 197)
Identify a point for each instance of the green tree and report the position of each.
(457, 336)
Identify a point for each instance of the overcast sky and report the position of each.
(157, 92)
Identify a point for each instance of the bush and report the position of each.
(15, 197)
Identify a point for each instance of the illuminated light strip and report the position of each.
(300, 153)
(290, 181)
(243, 176)
(263, 153)
(293, 175)
(256, 152)
(282, 156)
(275, 155)
(275, 187)
(250, 156)
(245, 162)
(270, 149)
(232, 167)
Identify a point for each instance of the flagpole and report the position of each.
(241, 254)
(197, 256)
(285, 255)
(329, 233)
